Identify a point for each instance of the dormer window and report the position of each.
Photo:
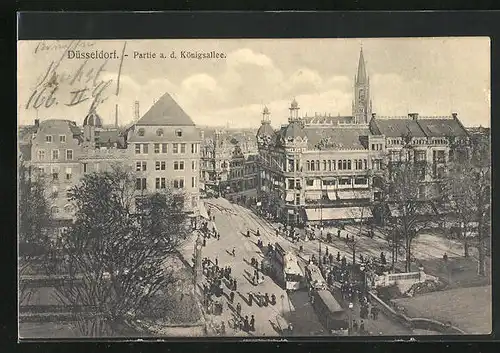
(178, 133)
(141, 132)
(159, 132)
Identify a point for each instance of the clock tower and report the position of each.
(362, 105)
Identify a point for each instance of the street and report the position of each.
(232, 222)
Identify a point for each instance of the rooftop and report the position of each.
(166, 112)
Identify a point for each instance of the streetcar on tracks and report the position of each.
(285, 268)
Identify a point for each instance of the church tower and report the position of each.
(362, 105)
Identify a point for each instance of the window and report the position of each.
(62, 138)
(344, 164)
(55, 191)
(310, 165)
(160, 183)
(159, 132)
(157, 148)
(41, 170)
(97, 167)
(373, 146)
(194, 148)
(163, 148)
(54, 210)
(193, 165)
(145, 148)
(69, 155)
(68, 173)
(339, 164)
(179, 165)
(137, 148)
(55, 155)
(85, 167)
(334, 165)
(179, 183)
(140, 183)
(317, 165)
(55, 173)
(324, 165)
(349, 164)
(41, 155)
(140, 166)
(360, 181)
(48, 138)
(178, 133)
(176, 148)
(310, 182)
(365, 164)
(160, 165)
(68, 208)
(193, 182)
(183, 148)
(330, 166)
(344, 181)
(141, 132)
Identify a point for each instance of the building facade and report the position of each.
(162, 148)
(228, 162)
(332, 168)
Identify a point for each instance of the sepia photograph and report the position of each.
(254, 188)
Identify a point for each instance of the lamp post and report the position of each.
(351, 316)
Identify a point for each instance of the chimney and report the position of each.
(37, 123)
(116, 116)
(136, 110)
(414, 116)
(454, 115)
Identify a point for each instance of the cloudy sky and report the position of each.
(428, 76)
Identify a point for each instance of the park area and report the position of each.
(466, 308)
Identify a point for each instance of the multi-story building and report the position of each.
(162, 148)
(332, 168)
(228, 162)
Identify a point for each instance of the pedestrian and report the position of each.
(338, 256)
(248, 233)
(362, 326)
(234, 284)
(277, 232)
(231, 296)
(347, 238)
(245, 324)
(250, 299)
(252, 323)
(445, 257)
(223, 328)
(338, 233)
(273, 299)
(326, 252)
(374, 312)
(238, 308)
(216, 262)
(355, 325)
(234, 253)
(204, 242)
(218, 236)
(258, 233)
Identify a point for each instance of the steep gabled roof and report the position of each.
(396, 127)
(166, 112)
(439, 127)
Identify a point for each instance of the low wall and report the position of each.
(415, 323)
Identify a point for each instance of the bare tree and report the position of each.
(469, 195)
(34, 224)
(405, 197)
(115, 251)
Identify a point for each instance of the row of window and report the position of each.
(50, 138)
(161, 183)
(159, 132)
(344, 164)
(342, 181)
(377, 147)
(55, 210)
(54, 155)
(177, 148)
(141, 166)
(55, 172)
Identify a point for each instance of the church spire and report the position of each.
(361, 78)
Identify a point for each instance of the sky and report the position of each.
(430, 76)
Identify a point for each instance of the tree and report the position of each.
(468, 191)
(114, 252)
(34, 223)
(405, 197)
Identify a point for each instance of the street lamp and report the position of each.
(351, 315)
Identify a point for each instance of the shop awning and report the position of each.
(338, 213)
(289, 197)
(346, 195)
(202, 209)
(362, 194)
(331, 195)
